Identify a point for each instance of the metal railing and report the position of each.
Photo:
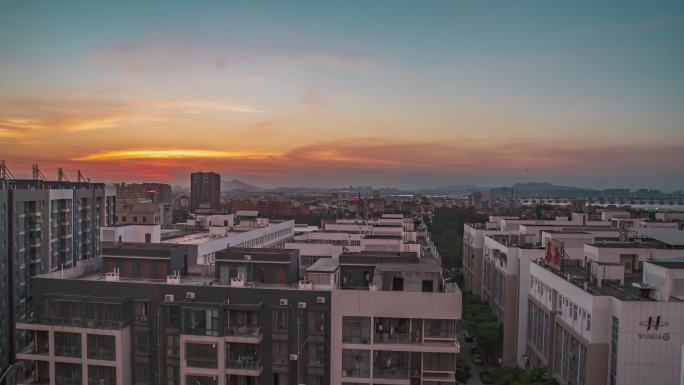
(244, 364)
(391, 338)
(390, 373)
(243, 331)
(68, 351)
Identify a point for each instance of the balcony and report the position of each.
(389, 338)
(245, 366)
(243, 334)
(391, 373)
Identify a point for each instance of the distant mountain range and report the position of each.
(524, 188)
(238, 185)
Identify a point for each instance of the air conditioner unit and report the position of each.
(305, 285)
(237, 282)
(283, 302)
(169, 298)
(301, 305)
(293, 357)
(320, 299)
(189, 295)
(173, 279)
(247, 257)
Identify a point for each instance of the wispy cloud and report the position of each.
(167, 154)
(169, 52)
(85, 111)
(393, 160)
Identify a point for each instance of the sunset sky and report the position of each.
(323, 93)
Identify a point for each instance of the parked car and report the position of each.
(486, 377)
(467, 337)
(477, 359)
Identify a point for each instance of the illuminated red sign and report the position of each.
(151, 190)
(553, 253)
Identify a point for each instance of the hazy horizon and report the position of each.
(383, 93)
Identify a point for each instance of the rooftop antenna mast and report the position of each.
(37, 174)
(5, 173)
(61, 176)
(82, 179)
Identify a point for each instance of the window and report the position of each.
(279, 353)
(316, 321)
(67, 344)
(142, 374)
(588, 322)
(316, 355)
(142, 342)
(356, 330)
(427, 286)
(315, 380)
(356, 363)
(101, 347)
(398, 284)
(172, 345)
(279, 319)
(135, 219)
(201, 355)
(141, 312)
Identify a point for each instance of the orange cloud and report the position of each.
(167, 154)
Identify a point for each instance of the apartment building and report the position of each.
(390, 232)
(250, 320)
(156, 192)
(5, 282)
(616, 319)
(205, 189)
(47, 226)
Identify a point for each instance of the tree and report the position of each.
(462, 369)
(446, 227)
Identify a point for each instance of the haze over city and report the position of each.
(394, 93)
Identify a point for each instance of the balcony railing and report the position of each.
(243, 364)
(391, 373)
(356, 373)
(389, 338)
(101, 354)
(68, 350)
(243, 331)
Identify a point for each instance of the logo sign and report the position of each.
(151, 190)
(652, 326)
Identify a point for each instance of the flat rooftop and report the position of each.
(624, 292)
(324, 265)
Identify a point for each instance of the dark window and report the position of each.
(279, 319)
(427, 286)
(148, 237)
(398, 284)
(279, 353)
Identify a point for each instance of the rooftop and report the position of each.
(324, 265)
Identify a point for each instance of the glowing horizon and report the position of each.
(389, 93)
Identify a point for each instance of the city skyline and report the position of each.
(384, 94)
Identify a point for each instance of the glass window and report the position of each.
(356, 330)
(280, 319)
(279, 352)
(316, 354)
(201, 355)
(356, 363)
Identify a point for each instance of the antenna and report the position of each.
(37, 174)
(82, 179)
(5, 173)
(61, 176)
